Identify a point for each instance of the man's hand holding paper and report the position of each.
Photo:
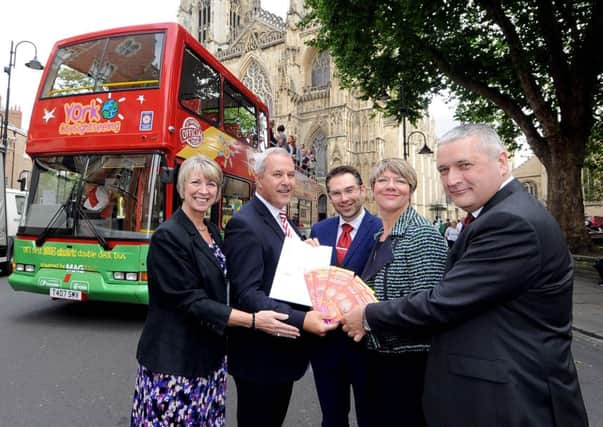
(296, 259)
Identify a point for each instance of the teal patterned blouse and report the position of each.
(417, 262)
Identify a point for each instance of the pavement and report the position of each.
(588, 299)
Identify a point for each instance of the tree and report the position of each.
(526, 66)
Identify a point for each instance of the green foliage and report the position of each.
(242, 117)
(69, 78)
(521, 66)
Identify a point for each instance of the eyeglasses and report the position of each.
(348, 192)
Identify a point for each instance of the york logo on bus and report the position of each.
(191, 133)
(76, 112)
(81, 119)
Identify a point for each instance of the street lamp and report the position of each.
(425, 148)
(34, 64)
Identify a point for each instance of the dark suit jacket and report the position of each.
(362, 244)
(187, 315)
(502, 316)
(252, 243)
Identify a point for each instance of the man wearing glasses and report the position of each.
(337, 361)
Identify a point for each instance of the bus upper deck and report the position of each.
(117, 111)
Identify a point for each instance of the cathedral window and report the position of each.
(200, 87)
(319, 151)
(531, 188)
(256, 80)
(321, 70)
(235, 19)
(204, 20)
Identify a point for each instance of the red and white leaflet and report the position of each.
(321, 280)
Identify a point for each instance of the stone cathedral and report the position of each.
(300, 86)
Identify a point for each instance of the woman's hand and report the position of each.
(272, 323)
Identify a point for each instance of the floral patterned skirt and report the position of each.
(170, 400)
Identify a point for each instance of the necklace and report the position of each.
(202, 229)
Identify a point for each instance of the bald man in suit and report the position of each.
(501, 316)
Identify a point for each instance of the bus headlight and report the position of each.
(130, 276)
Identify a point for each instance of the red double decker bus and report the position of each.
(117, 111)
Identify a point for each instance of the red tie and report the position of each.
(283, 215)
(344, 242)
(468, 220)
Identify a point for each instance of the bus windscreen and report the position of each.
(114, 196)
(106, 64)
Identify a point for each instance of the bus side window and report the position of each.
(239, 115)
(235, 193)
(199, 87)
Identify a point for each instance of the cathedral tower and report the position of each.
(217, 23)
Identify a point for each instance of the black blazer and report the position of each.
(252, 244)
(502, 316)
(184, 330)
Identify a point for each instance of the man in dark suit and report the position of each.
(339, 363)
(501, 316)
(264, 367)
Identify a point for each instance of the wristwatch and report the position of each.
(365, 324)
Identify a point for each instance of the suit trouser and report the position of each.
(395, 388)
(262, 404)
(339, 363)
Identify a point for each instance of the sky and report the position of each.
(44, 22)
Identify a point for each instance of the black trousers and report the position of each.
(395, 388)
(339, 364)
(262, 404)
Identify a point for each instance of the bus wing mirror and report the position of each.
(22, 183)
(167, 175)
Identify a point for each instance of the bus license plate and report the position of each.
(65, 294)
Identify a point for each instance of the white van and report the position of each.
(15, 203)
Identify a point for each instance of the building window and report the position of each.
(319, 150)
(235, 19)
(321, 70)
(204, 20)
(531, 188)
(257, 81)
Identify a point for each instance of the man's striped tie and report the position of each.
(286, 227)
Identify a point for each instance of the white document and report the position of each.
(296, 259)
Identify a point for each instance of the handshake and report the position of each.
(336, 294)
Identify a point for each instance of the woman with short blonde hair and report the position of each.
(181, 378)
(409, 255)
